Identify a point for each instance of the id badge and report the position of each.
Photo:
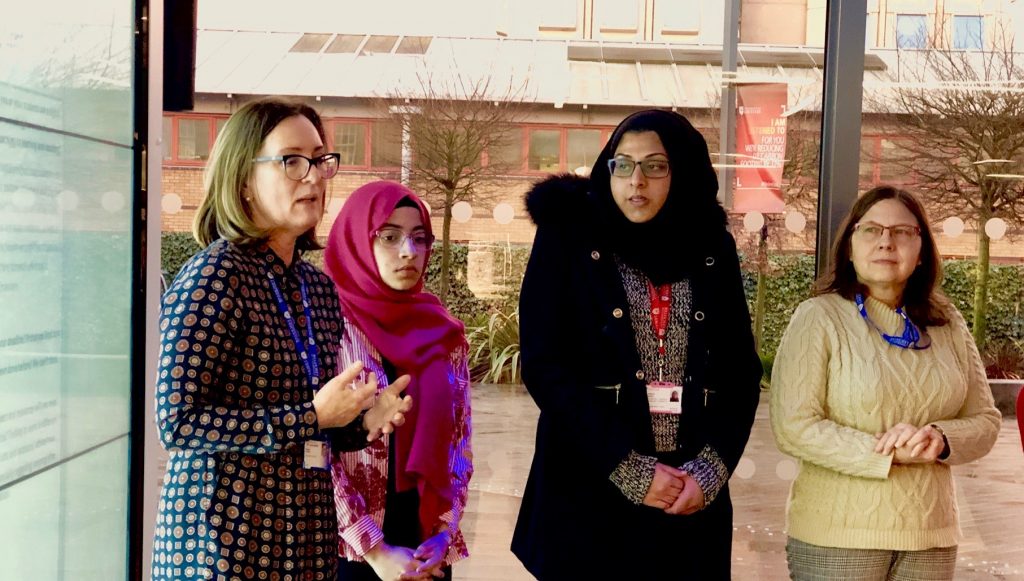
(665, 398)
(316, 455)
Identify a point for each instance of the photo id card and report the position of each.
(665, 398)
(316, 455)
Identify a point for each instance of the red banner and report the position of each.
(760, 147)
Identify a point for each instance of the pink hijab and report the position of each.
(412, 330)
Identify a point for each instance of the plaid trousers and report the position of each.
(809, 562)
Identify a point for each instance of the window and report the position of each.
(558, 15)
(582, 147)
(350, 142)
(386, 144)
(193, 139)
(677, 17)
(968, 32)
(618, 16)
(508, 153)
(413, 45)
(911, 31)
(310, 43)
(544, 150)
(167, 138)
(345, 43)
(379, 44)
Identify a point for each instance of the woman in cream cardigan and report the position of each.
(877, 390)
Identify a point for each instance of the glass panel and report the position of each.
(509, 153)
(544, 150)
(166, 137)
(617, 18)
(414, 45)
(583, 145)
(65, 283)
(911, 31)
(386, 144)
(220, 124)
(193, 139)
(350, 142)
(310, 43)
(345, 43)
(379, 44)
(967, 32)
(76, 53)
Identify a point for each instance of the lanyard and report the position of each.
(308, 351)
(911, 337)
(661, 308)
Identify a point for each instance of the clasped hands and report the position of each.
(910, 444)
(344, 397)
(397, 563)
(674, 491)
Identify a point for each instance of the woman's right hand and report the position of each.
(344, 397)
(394, 563)
(665, 487)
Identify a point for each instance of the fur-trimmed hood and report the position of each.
(556, 197)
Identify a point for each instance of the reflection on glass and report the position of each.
(967, 32)
(193, 139)
(583, 147)
(911, 31)
(544, 146)
(386, 144)
(350, 142)
(65, 271)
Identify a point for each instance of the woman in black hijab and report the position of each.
(632, 292)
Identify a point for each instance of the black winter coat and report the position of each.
(581, 366)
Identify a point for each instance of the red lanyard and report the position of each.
(661, 308)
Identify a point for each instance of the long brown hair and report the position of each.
(223, 213)
(922, 297)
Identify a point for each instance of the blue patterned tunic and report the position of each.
(234, 409)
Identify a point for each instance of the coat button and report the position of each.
(617, 313)
(595, 255)
(699, 315)
(640, 374)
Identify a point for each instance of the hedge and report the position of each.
(788, 284)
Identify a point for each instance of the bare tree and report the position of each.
(459, 134)
(958, 119)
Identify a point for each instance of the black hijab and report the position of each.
(689, 225)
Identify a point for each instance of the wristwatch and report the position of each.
(945, 442)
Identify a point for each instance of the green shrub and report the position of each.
(494, 349)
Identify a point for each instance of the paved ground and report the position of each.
(990, 495)
(991, 498)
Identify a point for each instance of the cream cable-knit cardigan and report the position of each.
(835, 384)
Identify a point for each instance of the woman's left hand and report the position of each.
(432, 552)
(690, 499)
(388, 411)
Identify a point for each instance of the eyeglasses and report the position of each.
(395, 238)
(297, 166)
(624, 167)
(901, 233)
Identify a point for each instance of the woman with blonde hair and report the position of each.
(247, 394)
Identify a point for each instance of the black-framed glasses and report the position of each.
(624, 167)
(901, 233)
(394, 238)
(297, 166)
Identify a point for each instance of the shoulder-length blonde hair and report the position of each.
(224, 213)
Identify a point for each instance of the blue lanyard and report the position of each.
(308, 350)
(910, 337)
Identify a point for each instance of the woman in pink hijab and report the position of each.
(399, 501)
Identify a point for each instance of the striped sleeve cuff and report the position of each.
(709, 471)
(634, 475)
(362, 535)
